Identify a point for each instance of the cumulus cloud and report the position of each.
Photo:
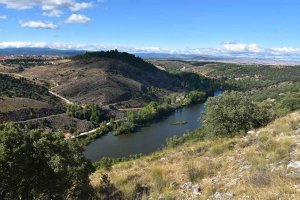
(53, 13)
(2, 17)
(77, 19)
(80, 6)
(38, 25)
(45, 4)
(240, 47)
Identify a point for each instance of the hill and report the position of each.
(21, 99)
(107, 78)
(264, 164)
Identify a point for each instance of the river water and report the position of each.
(149, 138)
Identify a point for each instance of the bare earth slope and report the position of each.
(102, 80)
(21, 99)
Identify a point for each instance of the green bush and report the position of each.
(38, 165)
(233, 113)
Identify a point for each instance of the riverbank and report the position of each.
(260, 165)
(148, 138)
(134, 120)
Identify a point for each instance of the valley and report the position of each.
(132, 124)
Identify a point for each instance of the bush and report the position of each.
(105, 163)
(37, 165)
(194, 173)
(260, 178)
(233, 113)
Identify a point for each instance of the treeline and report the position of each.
(265, 72)
(154, 111)
(23, 63)
(191, 81)
(122, 56)
(90, 112)
(246, 77)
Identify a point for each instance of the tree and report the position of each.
(39, 165)
(232, 113)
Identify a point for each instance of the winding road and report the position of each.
(67, 101)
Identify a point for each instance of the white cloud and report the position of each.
(240, 47)
(77, 19)
(286, 50)
(238, 51)
(38, 25)
(53, 13)
(3, 17)
(80, 6)
(44, 4)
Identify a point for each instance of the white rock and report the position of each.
(161, 197)
(196, 190)
(223, 196)
(294, 165)
(187, 185)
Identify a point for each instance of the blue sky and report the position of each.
(233, 27)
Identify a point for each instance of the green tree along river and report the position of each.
(149, 138)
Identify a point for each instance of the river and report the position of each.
(149, 138)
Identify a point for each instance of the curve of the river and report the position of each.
(149, 138)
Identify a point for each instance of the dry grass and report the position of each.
(252, 167)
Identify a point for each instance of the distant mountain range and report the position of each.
(39, 51)
(57, 52)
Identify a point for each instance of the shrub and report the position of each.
(105, 163)
(233, 113)
(260, 178)
(194, 173)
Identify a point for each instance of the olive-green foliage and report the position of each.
(123, 56)
(106, 163)
(192, 81)
(123, 127)
(89, 112)
(102, 130)
(249, 77)
(194, 97)
(39, 165)
(263, 72)
(232, 113)
(286, 99)
(175, 140)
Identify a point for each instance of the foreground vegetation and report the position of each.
(216, 163)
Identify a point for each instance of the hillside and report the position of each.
(106, 78)
(264, 164)
(21, 99)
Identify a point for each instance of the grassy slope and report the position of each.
(249, 167)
